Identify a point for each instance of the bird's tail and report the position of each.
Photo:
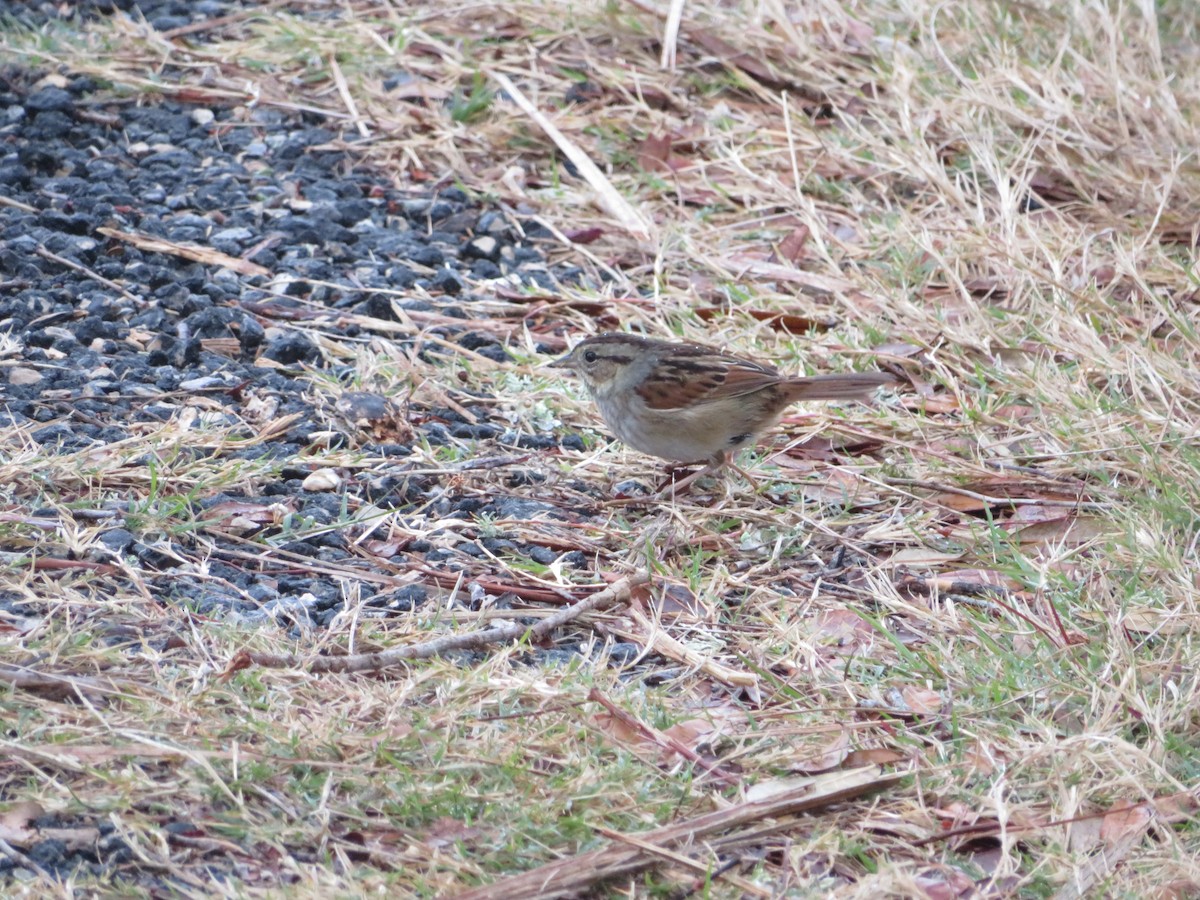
(835, 387)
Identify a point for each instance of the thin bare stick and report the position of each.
(609, 198)
(617, 592)
(17, 204)
(95, 276)
(573, 875)
(657, 737)
(347, 98)
(206, 255)
(671, 35)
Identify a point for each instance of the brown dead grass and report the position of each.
(986, 580)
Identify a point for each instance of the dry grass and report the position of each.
(987, 580)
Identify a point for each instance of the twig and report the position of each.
(52, 685)
(347, 98)
(220, 21)
(573, 875)
(95, 276)
(663, 740)
(206, 255)
(748, 889)
(617, 592)
(994, 501)
(17, 204)
(610, 199)
(21, 859)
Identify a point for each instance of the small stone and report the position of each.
(447, 281)
(22, 375)
(483, 247)
(50, 98)
(117, 539)
(202, 383)
(237, 235)
(322, 480)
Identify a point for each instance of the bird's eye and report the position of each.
(589, 356)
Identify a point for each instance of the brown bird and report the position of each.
(688, 402)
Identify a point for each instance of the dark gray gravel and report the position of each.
(79, 303)
(271, 191)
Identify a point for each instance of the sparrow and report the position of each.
(690, 403)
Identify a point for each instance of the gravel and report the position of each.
(110, 335)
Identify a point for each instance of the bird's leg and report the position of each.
(750, 478)
(672, 488)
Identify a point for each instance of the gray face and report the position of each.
(598, 361)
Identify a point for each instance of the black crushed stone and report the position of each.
(162, 15)
(114, 335)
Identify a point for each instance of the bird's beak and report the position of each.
(563, 362)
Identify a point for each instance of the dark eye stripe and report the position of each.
(697, 368)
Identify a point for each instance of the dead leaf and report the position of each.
(388, 548)
(1067, 530)
(827, 757)
(193, 252)
(678, 601)
(1144, 620)
(901, 350)
(1123, 822)
(620, 731)
(419, 89)
(873, 756)
(729, 55)
(654, 155)
(447, 831)
(992, 492)
(1179, 889)
(747, 264)
(255, 514)
(584, 236)
(785, 322)
(692, 733)
(945, 883)
(842, 628)
(923, 556)
(16, 824)
(792, 246)
(817, 449)
(919, 700)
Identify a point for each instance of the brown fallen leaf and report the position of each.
(788, 323)
(678, 601)
(822, 759)
(995, 490)
(16, 823)
(792, 247)
(692, 733)
(931, 405)
(654, 155)
(581, 236)
(194, 252)
(1067, 530)
(1144, 620)
(921, 701)
(842, 628)
(873, 756)
(923, 556)
(255, 514)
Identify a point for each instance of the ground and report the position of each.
(319, 582)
